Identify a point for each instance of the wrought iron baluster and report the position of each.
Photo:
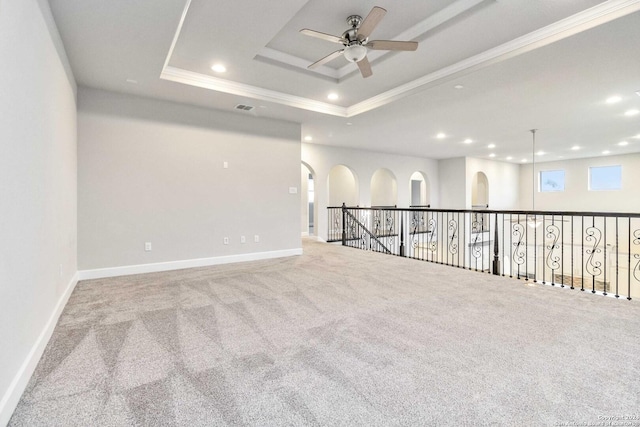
(552, 261)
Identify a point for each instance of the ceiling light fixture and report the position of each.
(355, 52)
(332, 96)
(631, 112)
(623, 143)
(524, 160)
(613, 99)
(219, 68)
(440, 135)
(308, 138)
(575, 147)
(509, 157)
(606, 152)
(349, 123)
(468, 141)
(492, 155)
(132, 81)
(491, 146)
(540, 153)
(458, 87)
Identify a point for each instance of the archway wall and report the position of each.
(503, 181)
(364, 164)
(384, 188)
(456, 176)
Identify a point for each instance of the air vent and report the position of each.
(244, 107)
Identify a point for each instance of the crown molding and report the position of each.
(192, 78)
(564, 28)
(581, 21)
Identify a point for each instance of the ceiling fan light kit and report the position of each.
(356, 41)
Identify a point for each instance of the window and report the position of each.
(551, 181)
(605, 178)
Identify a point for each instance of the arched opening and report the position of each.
(307, 199)
(420, 190)
(479, 191)
(384, 188)
(343, 186)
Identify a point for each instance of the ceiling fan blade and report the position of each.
(365, 67)
(326, 59)
(323, 36)
(370, 22)
(391, 45)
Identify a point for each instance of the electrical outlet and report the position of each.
(225, 240)
(243, 239)
(256, 238)
(147, 246)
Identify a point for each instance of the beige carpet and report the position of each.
(337, 336)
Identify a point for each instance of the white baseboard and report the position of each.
(101, 273)
(19, 384)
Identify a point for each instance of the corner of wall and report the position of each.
(9, 401)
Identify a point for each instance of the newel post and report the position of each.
(344, 224)
(496, 255)
(402, 234)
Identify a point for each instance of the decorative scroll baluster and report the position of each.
(636, 269)
(453, 230)
(594, 267)
(519, 256)
(552, 259)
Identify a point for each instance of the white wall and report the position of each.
(576, 196)
(364, 163)
(152, 171)
(37, 190)
(503, 179)
(384, 188)
(452, 179)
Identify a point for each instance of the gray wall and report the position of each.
(152, 171)
(37, 190)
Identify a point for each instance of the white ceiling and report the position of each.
(524, 64)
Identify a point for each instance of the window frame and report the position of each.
(540, 172)
(589, 178)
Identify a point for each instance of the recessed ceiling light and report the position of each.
(575, 147)
(524, 160)
(132, 81)
(509, 158)
(637, 136)
(623, 143)
(308, 138)
(631, 112)
(492, 155)
(491, 146)
(613, 99)
(606, 152)
(458, 87)
(540, 153)
(440, 135)
(349, 123)
(219, 68)
(332, 96)
(468, 141)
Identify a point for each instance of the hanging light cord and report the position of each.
(533, 170)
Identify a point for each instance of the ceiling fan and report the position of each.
(356, 41)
